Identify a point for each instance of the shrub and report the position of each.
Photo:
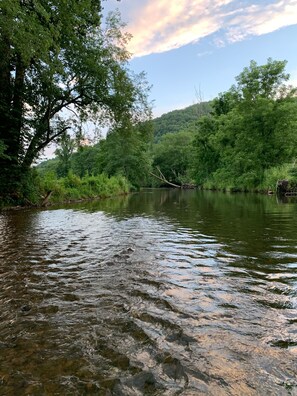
(72, 187)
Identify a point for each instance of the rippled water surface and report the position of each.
(159, 293)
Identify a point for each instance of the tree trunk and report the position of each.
(17, 109)
(5, 89)
(11, 113)
(12, 177)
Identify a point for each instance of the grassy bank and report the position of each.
(72, 187)
(263, 183)
(47, 189)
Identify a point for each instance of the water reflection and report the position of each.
(164, 292)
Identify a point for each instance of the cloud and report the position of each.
(258, 20)
(204, 53)
(159, 26)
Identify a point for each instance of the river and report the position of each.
(163, 292)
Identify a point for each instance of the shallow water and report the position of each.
(158, 293)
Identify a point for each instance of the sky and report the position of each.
(191, 50)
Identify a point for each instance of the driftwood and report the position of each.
(46, 198)
(163, 179)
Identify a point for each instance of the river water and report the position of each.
(158, 293)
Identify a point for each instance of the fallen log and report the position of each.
(163, 179)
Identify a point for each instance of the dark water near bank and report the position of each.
(159, 293)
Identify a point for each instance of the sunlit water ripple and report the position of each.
(139, 302)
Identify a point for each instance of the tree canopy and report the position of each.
(60, 65)
(253, 128)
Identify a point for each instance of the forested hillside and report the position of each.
(178, 120)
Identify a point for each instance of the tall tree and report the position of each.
(126, 152)
(64, 153)
(253, 128)
(172, 156)
(59, 63)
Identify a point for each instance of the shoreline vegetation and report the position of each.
(245, 140)
(49, 190)
(65, 67)
(72, 190)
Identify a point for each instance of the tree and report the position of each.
(59, 64)
(264, 81)
(253, 128)
(87, 160)
(172, 155)
(126, 152)
(205, 157)
(64, 154)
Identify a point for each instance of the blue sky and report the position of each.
(193, 49)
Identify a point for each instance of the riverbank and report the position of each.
(49, 190)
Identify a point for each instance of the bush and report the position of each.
(72, 187)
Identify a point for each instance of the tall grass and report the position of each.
(285, 171)
(252, 182)
(72, 187)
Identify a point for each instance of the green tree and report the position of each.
(172, 155)
(87, 160)
(253, 128)
(59, 63)
(64, 154)
(205, 157)
(264, 81)
(126, 151)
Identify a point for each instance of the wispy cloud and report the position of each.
(159, 25)
(258, 20)
(204, 53)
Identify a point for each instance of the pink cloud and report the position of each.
(159, 26)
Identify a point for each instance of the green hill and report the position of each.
(178, 120)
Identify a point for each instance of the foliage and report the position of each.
(126, 152)
(205, 158)
(87, 160)
(286, 171)
(178, 120)
(64, 153)
(173, 154)
(72, 187)
(253, 128)
(246, 142)
(2, 149)
(60, 66)
(48, 166)
(266, 81)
